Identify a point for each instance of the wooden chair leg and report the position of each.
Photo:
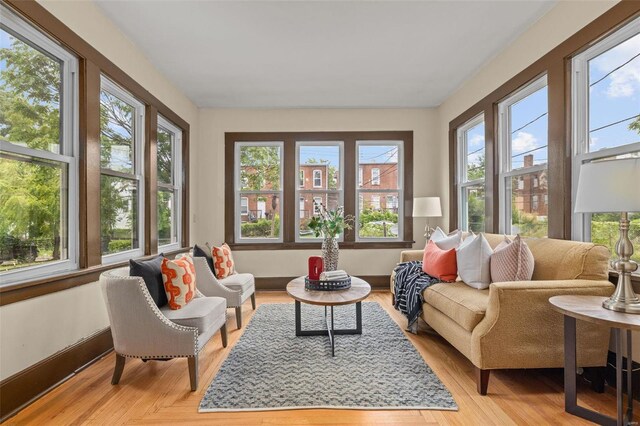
(117, 372)
(239, 316)
(253, 301)
(223, 334)
(193, 372)
(393, 299)
(482, 380)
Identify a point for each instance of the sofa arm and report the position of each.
(411, 255)
(209, 285)
(522, 330)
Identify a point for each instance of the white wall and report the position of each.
(209, 162)
(36, 328)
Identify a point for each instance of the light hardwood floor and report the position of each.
(158, 392)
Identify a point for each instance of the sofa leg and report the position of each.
(223, 334)
(193, 372)
(239, 316)
(253, 301)
(117, 372)
(482, 380)
(393, 299)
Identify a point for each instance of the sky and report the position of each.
(368, 154)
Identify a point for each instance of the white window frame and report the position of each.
(112, 88)
(504, 151)
(463, 183)
(400, 191)
(69, 147)
(317, 173)
(339, 190)
(238, 190)
(375, 176)
(176, 186)
(581, 222)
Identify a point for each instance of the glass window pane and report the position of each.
(260, 168)
(474, 196)
(165, 155)
(30, 101)
(605, 230)
(528, 209)
(310, 204)
(262, 217)
(118, 214)
(378, 214)
(379, 165)
(475, 152)
(117, 133)
(528, 130)
(614, 92)
(166, 230)
(33, 213)
(319, 167)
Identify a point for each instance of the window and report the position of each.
(169, 166)
(121, 189)
(381, 161)
(244, 206)
(317, 178)
(392, 203)
(259, 179)
(606, 122)
(301, 184)
(360, 175)
(535, 182)
(302, 212)
(375, 176)
(38, 146)
(523, 160)
(324, 158)
(471, 174)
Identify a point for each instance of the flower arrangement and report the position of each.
(330, 223)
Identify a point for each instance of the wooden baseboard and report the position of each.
(24, 387)
(377, 282)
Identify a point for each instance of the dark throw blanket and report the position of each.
(410, 282)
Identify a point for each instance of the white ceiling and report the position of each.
(267, 54)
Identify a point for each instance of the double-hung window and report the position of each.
(121, 181)
(169, 166)
(258, 179)
(323, 159)
(471, 174)
(381, 161)
(38, 153)
(523, 120)
(606, 122)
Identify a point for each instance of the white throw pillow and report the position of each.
(444, 241)
(474, 261)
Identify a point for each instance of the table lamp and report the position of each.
(427, 207)
(612, 186)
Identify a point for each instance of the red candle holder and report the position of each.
(315, 267)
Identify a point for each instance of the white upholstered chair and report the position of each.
(142, 330)
(236, 288)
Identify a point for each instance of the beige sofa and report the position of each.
(512, 324)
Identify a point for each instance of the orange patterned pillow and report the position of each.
(223, 261)
(179, 278)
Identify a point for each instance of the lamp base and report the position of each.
(618, 306)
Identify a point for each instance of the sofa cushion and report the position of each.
(463, 304)
(474, 261)
(222, 261)
(568, 260)
(242, 282)
(440, 263)
(206, 253)
(512, 261)
(446, 241)
(151, 272)
(201, 312)
(179, 278)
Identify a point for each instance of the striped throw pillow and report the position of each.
(512, 261)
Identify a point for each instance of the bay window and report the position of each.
(471, 174)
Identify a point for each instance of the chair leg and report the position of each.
(253, 301)
(239, 316)
(117, 372)
(223, 334)
(193, 372)
(482, 380)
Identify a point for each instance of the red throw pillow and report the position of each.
(179, 278)
(440, 263)
(223, 261)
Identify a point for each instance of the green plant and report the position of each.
(119, 245)
(261, 228)
(330, 223)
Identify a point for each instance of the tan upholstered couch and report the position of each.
(512, 324)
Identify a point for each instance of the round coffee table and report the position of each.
(358, 291)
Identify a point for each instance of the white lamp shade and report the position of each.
(427, 207)
(610, 186)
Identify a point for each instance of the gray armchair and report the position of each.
(236, 288)
(142, 330)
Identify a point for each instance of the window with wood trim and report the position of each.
(169, 174)
(606, 122)
(471, 175)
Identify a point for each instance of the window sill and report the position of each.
(29, 289)
(316, 245)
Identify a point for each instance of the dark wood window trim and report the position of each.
(291, 180)
(557, 66)
(93, 64)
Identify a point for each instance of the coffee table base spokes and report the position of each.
(330, 330)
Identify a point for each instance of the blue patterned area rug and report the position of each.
(272, 369)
